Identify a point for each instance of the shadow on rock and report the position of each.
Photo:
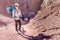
(39, 37)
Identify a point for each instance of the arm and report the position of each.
(20, 13)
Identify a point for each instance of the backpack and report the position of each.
(13, 7)
(10, 9)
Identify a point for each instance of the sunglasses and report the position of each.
(16, 6)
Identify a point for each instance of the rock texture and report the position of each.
(44, 26)
(47, 21)
(34, 5)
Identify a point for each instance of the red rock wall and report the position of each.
(33, 4)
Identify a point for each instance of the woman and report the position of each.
(17, 15)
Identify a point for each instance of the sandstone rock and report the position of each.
(47, 21)
(34, 5)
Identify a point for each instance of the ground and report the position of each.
(7, 30)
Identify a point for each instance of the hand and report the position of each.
(20, 17)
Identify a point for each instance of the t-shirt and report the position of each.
(16, 14)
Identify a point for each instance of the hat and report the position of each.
(16, 4)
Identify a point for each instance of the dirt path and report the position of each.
(8, 32)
